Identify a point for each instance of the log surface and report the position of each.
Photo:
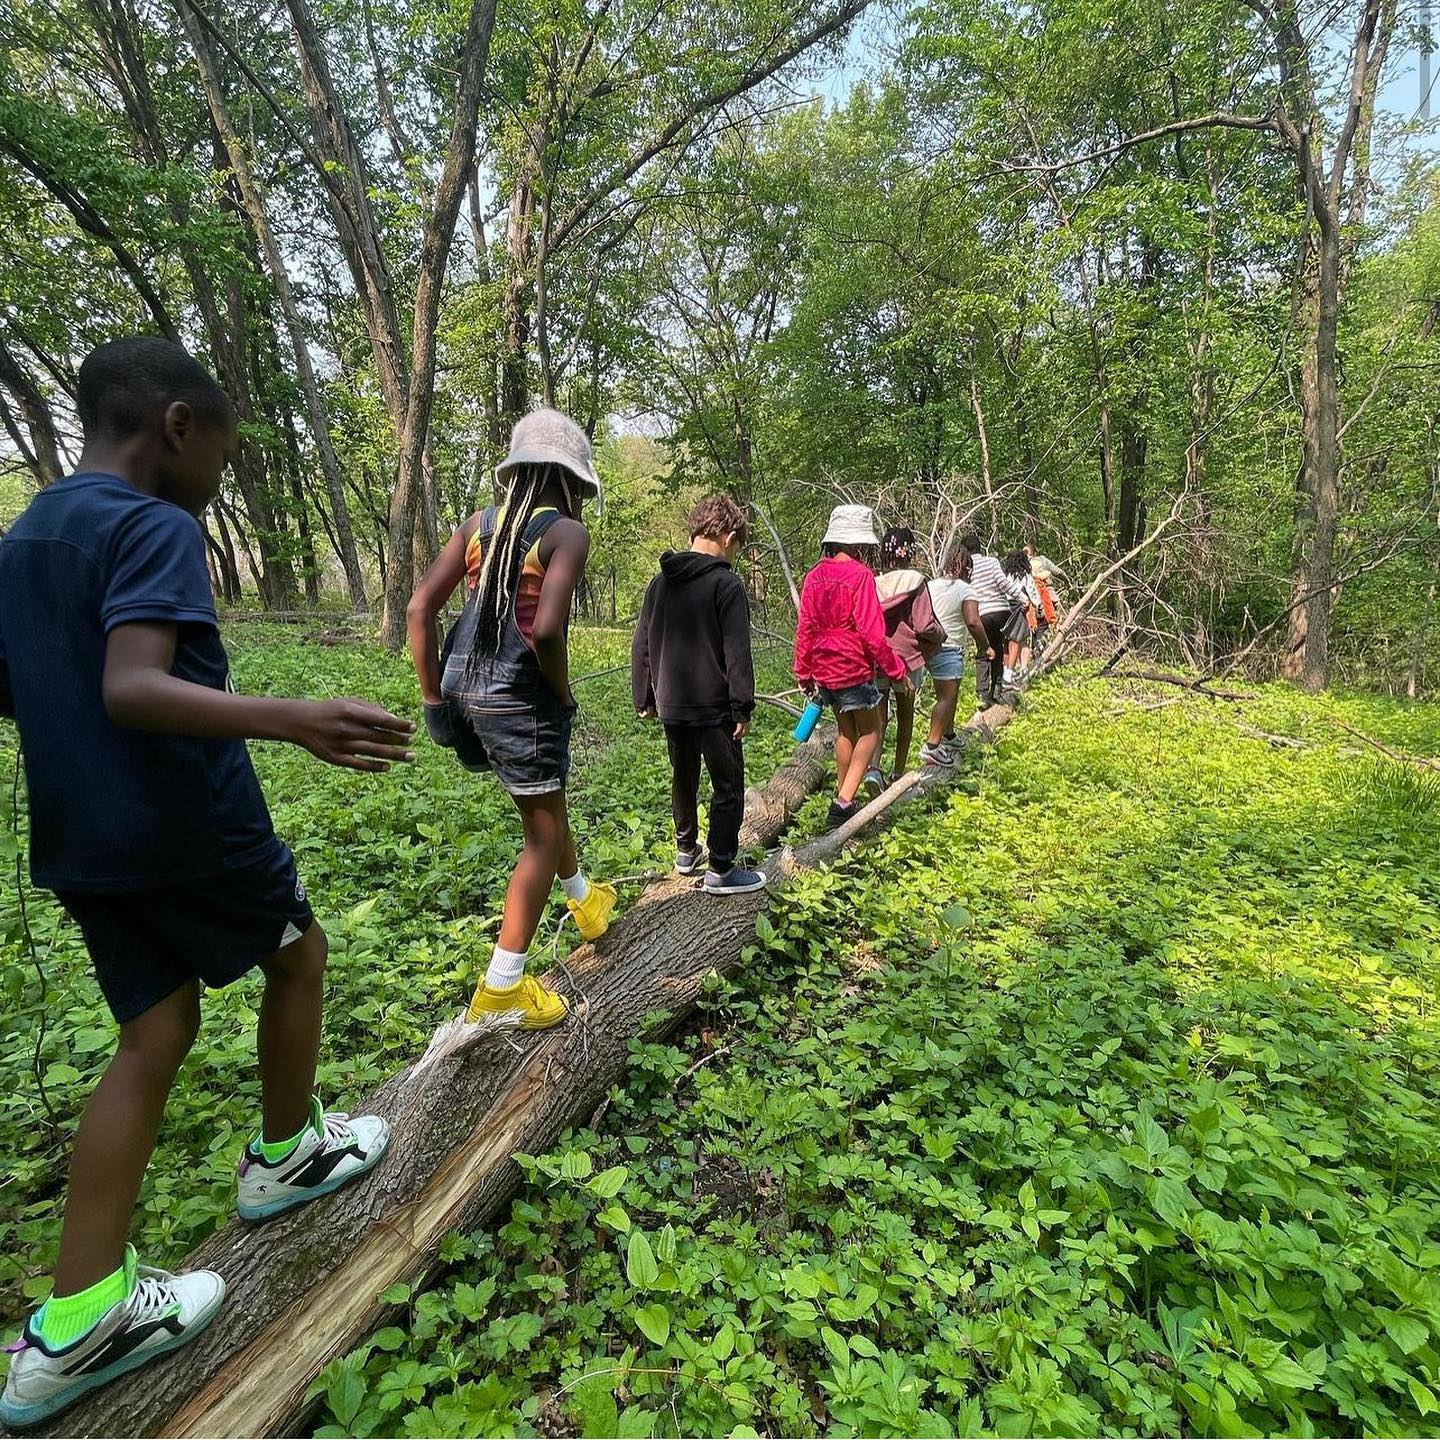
(304, 1288)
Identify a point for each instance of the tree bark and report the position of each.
(43, 453)
(519, 265)
(434, 256)
(254, 202)
(1333, 221)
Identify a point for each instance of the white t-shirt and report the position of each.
(947, 599)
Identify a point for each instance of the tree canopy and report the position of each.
(1053, 269)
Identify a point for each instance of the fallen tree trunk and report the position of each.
(305, 1287)
(1200, 684)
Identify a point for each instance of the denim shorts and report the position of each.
(526, 743)
(948, 663)
(146, 944)
(864, 696)
(884, 684)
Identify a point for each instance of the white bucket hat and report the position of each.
(546, 437)
(851, 525)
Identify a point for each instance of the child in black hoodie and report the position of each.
(690, 663)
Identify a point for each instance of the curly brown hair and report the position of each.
(715, 517)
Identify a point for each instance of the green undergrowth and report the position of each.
(1103, 1101)
(407, 874)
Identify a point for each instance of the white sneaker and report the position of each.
(161, 1313)
(333, 1151)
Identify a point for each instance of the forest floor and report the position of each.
(1103, 1100)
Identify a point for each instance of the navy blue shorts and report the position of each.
(146, 944)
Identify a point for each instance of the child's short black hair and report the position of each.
(715, 517)
(125, 385)
(971, 541)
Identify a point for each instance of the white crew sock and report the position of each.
(576, 888)
(506, 968)
(1009, 674)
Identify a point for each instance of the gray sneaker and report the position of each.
(687, 862)
(874, 781)
(940, 755)
(734, 882)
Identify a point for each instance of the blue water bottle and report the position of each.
(809, 719)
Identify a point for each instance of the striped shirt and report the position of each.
(994, 589)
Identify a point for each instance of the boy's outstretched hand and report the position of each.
(354, 733)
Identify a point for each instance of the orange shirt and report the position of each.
(527, 588)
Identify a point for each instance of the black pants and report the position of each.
(724, 758)
(990, 674)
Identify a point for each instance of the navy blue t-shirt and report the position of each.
(111, 808)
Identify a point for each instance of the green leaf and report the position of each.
(608, 1183)
(1172, 1199)
(1406, 1331)
(396, 1294)
(956, 917)
(653, 1321)
(345, 1394)
(835, 1344)
(592, 1404)
(1286, 1372)
(641, 1269)
(615, 1217)
(362, 911)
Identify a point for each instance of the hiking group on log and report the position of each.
(148, 823)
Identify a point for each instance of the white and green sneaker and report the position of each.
(332, 1151)
(161, 1313)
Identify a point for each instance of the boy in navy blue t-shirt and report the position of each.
(148, 823)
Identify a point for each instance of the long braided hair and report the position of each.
(495, 590)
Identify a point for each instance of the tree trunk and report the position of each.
(43, 455)
(1317, 507)
(1322, 442)
(986, 479)
(519, 264)
(230, 570)
(254, 202)
(305, 1288)
(1134, 445)
(1414, 682)
(346, 180)
(434, 256)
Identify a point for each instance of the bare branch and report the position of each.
(1220, 120)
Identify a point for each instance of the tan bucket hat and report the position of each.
(546, 437)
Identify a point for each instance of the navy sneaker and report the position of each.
(687, 862)
(734, 882)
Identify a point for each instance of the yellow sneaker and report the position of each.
(527, 1004)
(592, 914)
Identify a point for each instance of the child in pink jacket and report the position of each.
(839, 645)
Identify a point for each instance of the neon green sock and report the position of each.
(64, 1319)
(270, 1153)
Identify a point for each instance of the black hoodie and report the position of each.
(690, 659)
